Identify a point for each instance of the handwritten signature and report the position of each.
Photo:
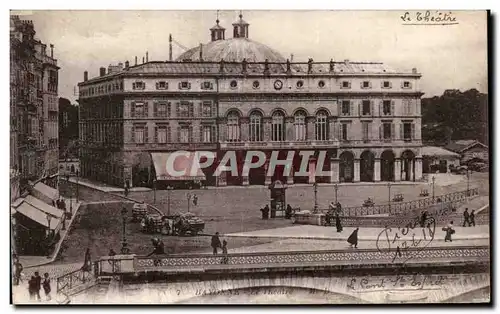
(415, 281)
(391, 239)
(428, 17)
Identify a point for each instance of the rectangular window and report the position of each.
(406, 84)
(386, 110)
(386, 84)
(346, 108)
(184, 133)
(162, 136)
(407, 131)
(139, 134)
(208, 134)
(139, 109)
(207, 85)
(346, 84)
(162, 110)
(365, 84)
(366, 131)
(387, 128)
(206, 109)
(366, 110)
(184, 85)
(138, 85)
(161, 85)
(343, 131)
(185, 109)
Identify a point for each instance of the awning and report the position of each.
(185, 163)
(38, 216)
(48, 209)
(45, 193)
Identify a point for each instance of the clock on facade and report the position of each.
(278, 84)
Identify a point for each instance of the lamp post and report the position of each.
(389, 188)
(169, 188)
(48, 232)
(336, 187)
(188, 196)
(77, 190)
(315, 187)
(468, 175)
(433, 184)
(124, 249)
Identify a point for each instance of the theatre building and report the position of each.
(234, 94)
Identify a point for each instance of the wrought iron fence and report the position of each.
(73, 280)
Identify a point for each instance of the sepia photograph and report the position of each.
(250, 157)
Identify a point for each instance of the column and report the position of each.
(334, 170)
(289, 130)
(397, 170)
(312, 170)
(418, 169)
(331, 129)
(289, 179)
(310, 128)
(266, 124)
(266, 167)
(222, 179)
(377, 170)
(357, 170)
(244, 129)
(245, 180)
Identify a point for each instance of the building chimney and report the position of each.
(135, 60)
(142, 60)
(120, 65)
(147, 57)
(201, 52)
(169, 47)
(102, 71)
(52, 51)
(126, 65)
(346, 61)
(85, 76)
(291, 57)
(414, 71)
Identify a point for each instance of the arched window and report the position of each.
(321, 126)
(233, 127)
(255, 127)
(300, 126)
(278, 127)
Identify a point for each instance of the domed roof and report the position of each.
(234, 49)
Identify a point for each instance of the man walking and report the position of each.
(472, 219)
(37, 285)
(466, 217)
(215, 243)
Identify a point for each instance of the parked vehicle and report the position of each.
(185, 223)
(139, 211)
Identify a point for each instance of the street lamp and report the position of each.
(77, 190)
(169, 188)
(188, 196)
(468, 175)
(315, 186)
(389, 188)
(125, 249)
(336, 187)
(433, 184)
(48, 232)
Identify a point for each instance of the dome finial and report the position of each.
(217, 20)
(241, 15)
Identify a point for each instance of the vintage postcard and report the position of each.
(249, 157)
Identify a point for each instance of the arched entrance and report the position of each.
(407, 166)
(346, 171)
(367, 166)
(387, 166)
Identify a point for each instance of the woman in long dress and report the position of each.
(338, 224)
(353, 238)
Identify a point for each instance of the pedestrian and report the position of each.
(32, 287)
(288, 211)
(224, 252)
(215, 243)
(423, 218)
(195, 200)
(18, 268)
(466, 217)
(265, 212)
(38, 285)
(328, 218)
(54, 203)
(87, 264)
(46, 286)
(472, 219)
(63, 205)
(449, 231)
(338, 223)
(158, 249)
(353, 238)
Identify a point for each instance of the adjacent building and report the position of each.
(235, 94)
(33, 105)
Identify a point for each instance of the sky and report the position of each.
(449, 57)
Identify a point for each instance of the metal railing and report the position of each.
(396, 208)
(75, 279)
